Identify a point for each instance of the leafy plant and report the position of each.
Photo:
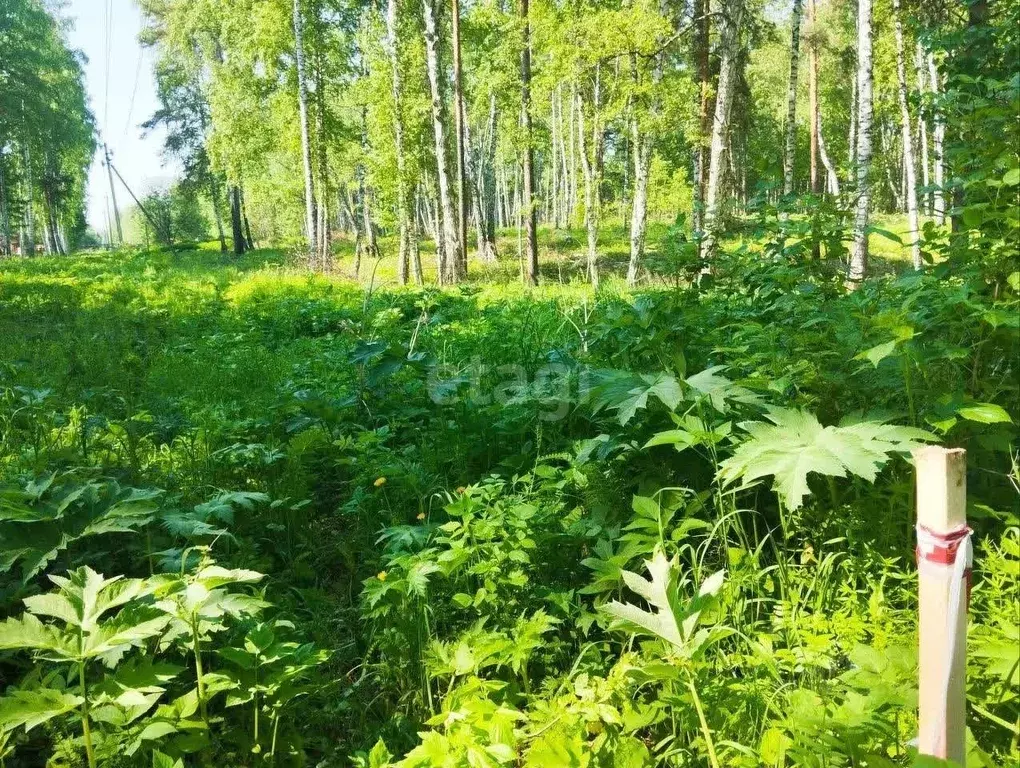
(795, 444)
(78, 636)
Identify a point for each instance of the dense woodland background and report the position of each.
(523, 384)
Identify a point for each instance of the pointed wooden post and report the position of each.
(943, 554)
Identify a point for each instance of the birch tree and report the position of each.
(938, 196)
(818, 147)
(306, 148)
(703, 24)
(591, 146)
(28, 242)
(729, 41)
(910, 172)
(922, 128)
(405, 222)
(446, 237)
(459, 127)
(530, 212)
(791, 102)
(859, 250)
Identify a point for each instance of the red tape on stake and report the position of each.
(943, 548)
(940, 548)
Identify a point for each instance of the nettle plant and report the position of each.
(474, 572)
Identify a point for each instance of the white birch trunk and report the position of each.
(791, 99)
(852, 137)
(832, 179)
(733, 11)
(859, 251)
(591, 165)
(639, 210)
(446, 239)
(910, 191)
(644, 144)
(938, 142)
(28, 242)
(405, 224)
(460, 128)
(922, 129)
(306, 149)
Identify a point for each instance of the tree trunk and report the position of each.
(214, 194)
(852, 137)
(729, 41)
(791, 103)
(323, 240)
(249, 243)
(591, 165)
(639, 210)
(28, 243)
(859, 251)
(553, 199)
(446, 239)
(5, 212)
(484, 197)
(813, 107)
(830, 169)
(306, 148)
(908, 140)
(405, 224)
(459, 126)
(702, 20)
(50, 221)
(922, 130)
(371, 244)
(564, 169)
(236, 230)
(530, 214)
(887, 157)
(643, 141)
(416, 271)
(938, 143)
(572, 146)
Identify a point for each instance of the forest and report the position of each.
(507, 384)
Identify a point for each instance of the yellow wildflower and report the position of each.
(379, 482)
(421, 515)
(381, 576)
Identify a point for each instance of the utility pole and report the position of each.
(113, 197)
(155, 225)
(109, 227)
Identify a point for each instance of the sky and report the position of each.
(119, 111)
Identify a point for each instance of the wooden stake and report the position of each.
(941, 509)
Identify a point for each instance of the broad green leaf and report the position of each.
(718, 389)
(627, 393)
(159, 760)
(55, 605)
(557, 747)
(661, 621)
(877, 354)
(30, 634)
(796, 444)
(985, 413)
(31, 708)
(213, 576)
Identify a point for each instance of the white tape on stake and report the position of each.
(944, 555)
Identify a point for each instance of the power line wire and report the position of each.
(134, 91)
(108, 33)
